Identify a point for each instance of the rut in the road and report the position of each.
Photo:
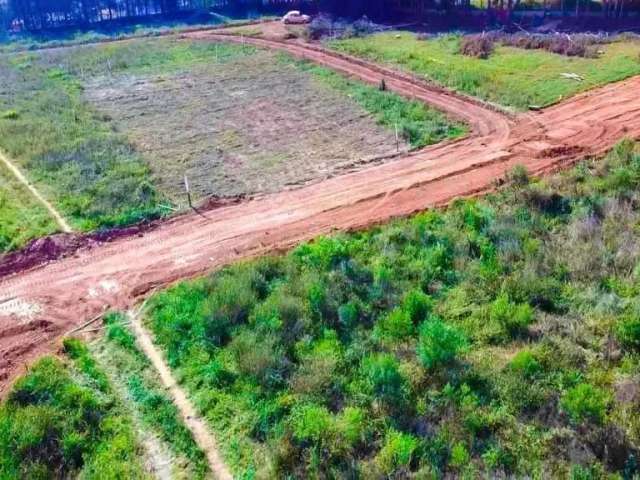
(194, 423)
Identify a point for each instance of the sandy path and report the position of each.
(62, 294)
(196, 424)
(62, 223)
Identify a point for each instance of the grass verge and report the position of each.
(23, 217)
(131, 372)
(490, 338)
(417, 124)
(510, 76)
(62, 420)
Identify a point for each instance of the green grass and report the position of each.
(475, 341)
(23, 218)
(130, 370)
(61, 420)
(418, 124)
(511, 77)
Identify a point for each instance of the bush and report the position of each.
(518, 176)
(382, 374)
(525, 363)
(580, 45)
(257, 355)
(459, 456)
(628, 334)
(478, 46)
(439, 344)
(398, 452)
(353, 426)
(512, 318)
(585, 402)
(397, 325)
(9, 115)
(311, 423)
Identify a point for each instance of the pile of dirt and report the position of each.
(61, 245)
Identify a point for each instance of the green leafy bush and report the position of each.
(512, 318)
(585, 402)
(628, 333)
(383, 377)
(398, 451)
(439, 344)
(311, 423)
(525, 363)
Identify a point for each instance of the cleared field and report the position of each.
(108, 131)
(510, 76)
(257, 124)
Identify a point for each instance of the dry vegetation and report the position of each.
(255, 125)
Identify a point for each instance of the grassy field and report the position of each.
(139, 385)
(510, 76)
(107, 132)
(23, 218)
(498, 337)
(62, 420)
(98, 412)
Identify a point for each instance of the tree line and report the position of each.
(44, 14)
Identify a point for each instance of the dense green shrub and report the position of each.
(439, 344)
(383, 377)
(628, 332)
(512, 318)
(585, 402)
(56, 424)
(398, 452)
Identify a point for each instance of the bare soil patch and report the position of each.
(256, 125)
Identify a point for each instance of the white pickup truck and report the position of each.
(294, 17)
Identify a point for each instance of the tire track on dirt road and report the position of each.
(55, 297)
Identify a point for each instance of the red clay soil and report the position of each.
(39, 305)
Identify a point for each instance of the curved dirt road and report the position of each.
(38, 306)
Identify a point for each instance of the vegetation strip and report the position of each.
(157, 418)
(63, 420)
(198, 427)
(509, 76)
(466, 342)
(62, 223)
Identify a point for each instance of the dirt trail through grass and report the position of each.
(62, 223)
(197, 425)
(66, 292)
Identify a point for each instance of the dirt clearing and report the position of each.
(254, 125)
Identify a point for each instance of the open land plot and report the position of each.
(256, 124)
(109, 131)
(510, 77)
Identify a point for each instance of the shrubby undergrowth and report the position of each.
(62, 420)
(497, 337)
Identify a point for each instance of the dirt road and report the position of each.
(37, 306)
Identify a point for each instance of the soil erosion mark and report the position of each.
(65, 292)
